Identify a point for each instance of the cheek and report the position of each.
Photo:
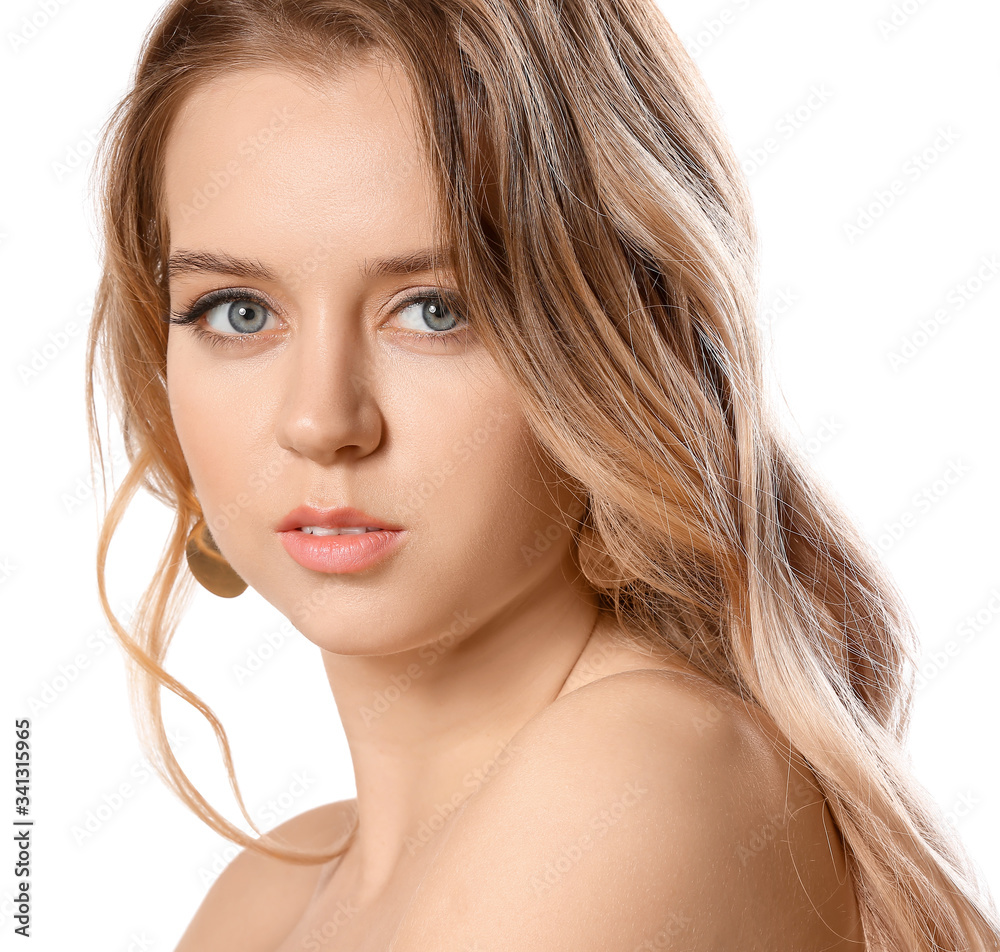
(517, 508)
(213, 426)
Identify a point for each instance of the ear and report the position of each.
(581, 506)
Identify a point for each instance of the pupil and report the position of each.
(432, 314)
(246, 316)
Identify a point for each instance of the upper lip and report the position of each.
(342, 518)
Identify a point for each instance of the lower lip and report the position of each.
(341, 553)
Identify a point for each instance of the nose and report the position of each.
(329, 410)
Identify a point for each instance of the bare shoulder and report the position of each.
(648, 806)
(257, 899)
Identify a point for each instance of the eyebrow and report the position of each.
(202, 262)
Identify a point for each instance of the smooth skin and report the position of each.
(536, 787)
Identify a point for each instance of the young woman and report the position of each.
(472, 283)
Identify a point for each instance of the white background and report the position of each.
(910, 445)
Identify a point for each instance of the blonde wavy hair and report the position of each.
(605, 247)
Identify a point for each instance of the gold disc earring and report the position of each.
(209, 566)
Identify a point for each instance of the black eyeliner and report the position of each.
(207, 301)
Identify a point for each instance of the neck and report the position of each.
(427, 727)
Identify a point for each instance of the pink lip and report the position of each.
(338, 553)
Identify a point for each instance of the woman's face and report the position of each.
(319, 382)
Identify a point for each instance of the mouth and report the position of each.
(347, 530)
(338, 541)
(346, 519)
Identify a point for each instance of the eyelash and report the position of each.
(213, 299)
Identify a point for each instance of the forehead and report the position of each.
(265, 154)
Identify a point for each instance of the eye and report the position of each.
(238, 315)
(233, 314)
(433, 311)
